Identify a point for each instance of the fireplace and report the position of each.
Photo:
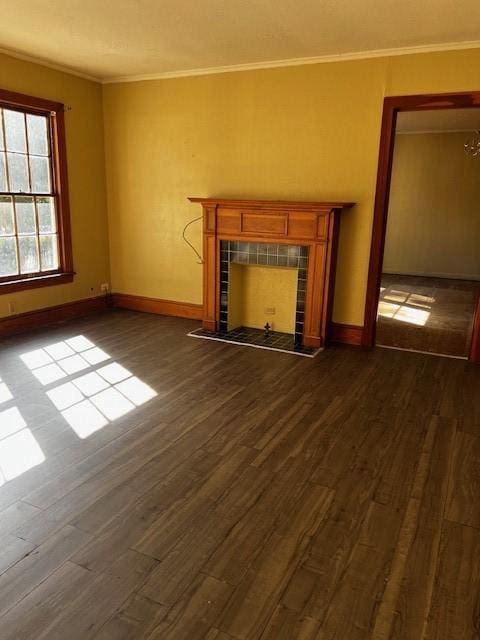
(291, 235)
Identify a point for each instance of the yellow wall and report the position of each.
(256, 289)
(434, 217)
(86, 173)
(280, 133)
(293, 133)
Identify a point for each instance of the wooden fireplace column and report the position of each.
(312, 224)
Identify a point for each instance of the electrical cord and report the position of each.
(200, 259)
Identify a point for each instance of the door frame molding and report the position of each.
(391, 107)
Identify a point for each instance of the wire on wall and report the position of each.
(200, 259)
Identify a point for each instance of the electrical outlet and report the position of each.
(105, 287)
(270, 311)
(11, 307)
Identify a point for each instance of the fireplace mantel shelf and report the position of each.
(286, 205)
(311, 224)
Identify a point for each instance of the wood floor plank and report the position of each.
(464, 487)
(215, 634)
(81, 600)
(353, 607)
(286, 624)
(406, 604)
(254, 599)
(13, 550)
(32, 615)
(226, 472)
(195, 612)
(32, 570)
(328, 555)
(135, 618)
(15, 515)
(454, 611)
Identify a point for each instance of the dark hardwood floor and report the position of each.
(182, 489)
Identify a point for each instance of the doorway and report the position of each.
(424, 274)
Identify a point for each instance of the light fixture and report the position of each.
(472, 145)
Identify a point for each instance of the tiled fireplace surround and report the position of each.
(267, 254)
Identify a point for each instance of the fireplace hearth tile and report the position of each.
(247, 336)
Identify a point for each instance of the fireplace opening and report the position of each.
(262, 296)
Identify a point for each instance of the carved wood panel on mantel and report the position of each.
(313, 224)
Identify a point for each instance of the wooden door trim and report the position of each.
(475, 347)
(391, 107)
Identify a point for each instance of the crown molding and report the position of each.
(296, 62)
(272, 64)
(49, 65)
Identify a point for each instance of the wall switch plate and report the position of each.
(270, 311)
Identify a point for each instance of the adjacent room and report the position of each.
(431, 265)
(239, 320)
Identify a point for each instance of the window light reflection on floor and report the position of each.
(396, 296)
(5, 394)
(413, 299)
(89, 401)
(403, 313)
(19, 450)
(62, 359)
(421, 301)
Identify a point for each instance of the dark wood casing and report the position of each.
(312, 224)
(391, 107)
(56, 119)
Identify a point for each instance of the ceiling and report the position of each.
(436, 121)
(113, 39)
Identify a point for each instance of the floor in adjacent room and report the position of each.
(427, 314)
(161, 487)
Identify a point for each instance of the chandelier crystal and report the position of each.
(472, 145)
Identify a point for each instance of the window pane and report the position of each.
(49, 251)
(7, 227)
(15, 130)
(40, 173)
(2, 143)
(18, 172)
(37, 135)
(25, 215)
(46, 215)
(3, 174)
(8, 257)
(27, 246)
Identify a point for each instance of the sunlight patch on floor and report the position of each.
(19, 450)
(89, 401)
(5, 394)
(421, 301)
(63, 359)
(403, 313)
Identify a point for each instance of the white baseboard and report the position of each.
(432, 274)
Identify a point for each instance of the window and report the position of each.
(35, 244)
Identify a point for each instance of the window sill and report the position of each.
(35, 283)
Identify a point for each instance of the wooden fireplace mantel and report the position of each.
(313, 224)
